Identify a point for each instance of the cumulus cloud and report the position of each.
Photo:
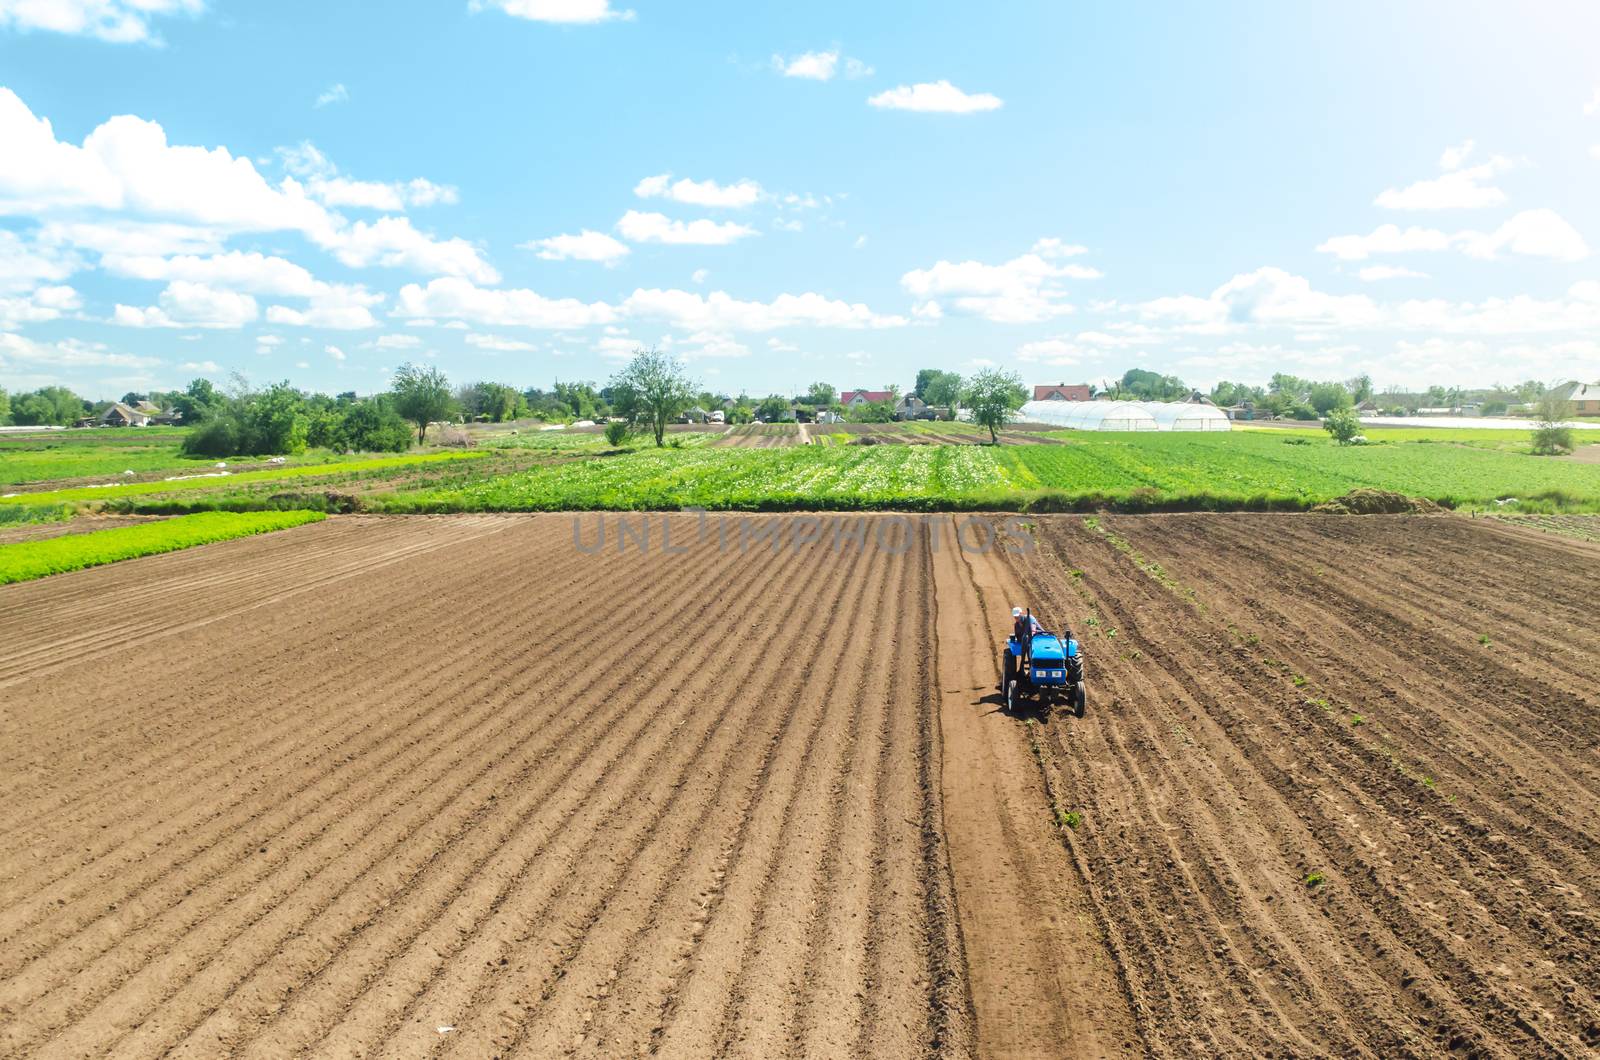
(820, 66)
(342, 307)
(397, 342)
(67, 354)
(699, 192)
(1266, 296)
(639, 227)
(23, 265)
(571, 12)
(1540, 233)
(327, 185)
(585, 246)
(1458, 188)
(116, 21)
(1373, 273)
(394, 241)
(938, 97)
(455, 298)
(498, 343)
(38, 305)
(1025, 289)
(195, 194)
(186, 304)
(333, 351)
(256, 273)
(720, 312)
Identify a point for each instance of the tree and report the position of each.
(773, 408)
(200, 402)
(1360, 388)
(994, 396)
(1343, 424)
(820, 395)
(50, 406)
(1325, 397)
(1152, 386)
(943, 389)
(5, 407)
(1551, 432)
(421, 395)
(651, 391)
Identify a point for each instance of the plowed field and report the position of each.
(449, 785)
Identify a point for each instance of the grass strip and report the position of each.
(243, 478)
(27, 560)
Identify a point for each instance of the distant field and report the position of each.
(1139, 471)
(916, 466)
(64, 455)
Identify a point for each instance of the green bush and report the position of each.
(617, 433)
(1343, 424)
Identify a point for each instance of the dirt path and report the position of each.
(1042, 982)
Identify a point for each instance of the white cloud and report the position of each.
(24, 265)
(860, 242)
(136, 238)
(397, 342)
(1373, 273)
(185, 304)
(1458, 189)
(1531, 233)
(938, 97)
(460, 299)
(38, 305)
(639, 227)
(333, 351)
(1386, 239)
(700, 275)
(342, 307)
(269, 340)
(116, 21)
(562, 11)
(712, 344)
(394, 241)
(1023, 290)
(335, 93)
(585, 246)
(819, 66)
(324, 183)
(720, 312)
(1538, 233)
(1591, 108)
(200, 366)
(256, 273)
(1266, 296)
(1454, 156)
(1594, 152)
(68, 353)
(699, 192)
(498, 343)
(1050, 351)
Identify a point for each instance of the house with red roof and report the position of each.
(1063, 392)
(856, 398)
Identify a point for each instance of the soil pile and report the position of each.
(1378, 502)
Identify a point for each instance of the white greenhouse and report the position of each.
(1126, 415)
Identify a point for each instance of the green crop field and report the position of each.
(48, 456)
(286, 475)
(26, 560)
(1235, 470)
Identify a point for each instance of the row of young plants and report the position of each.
(287, 475)
(26, 560)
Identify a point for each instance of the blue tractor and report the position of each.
(1053, 674)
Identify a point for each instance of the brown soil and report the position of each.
(370, 787)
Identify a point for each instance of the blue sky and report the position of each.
(522, 190)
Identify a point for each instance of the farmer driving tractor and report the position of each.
(1023, 627)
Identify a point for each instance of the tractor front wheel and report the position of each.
(1079, 700)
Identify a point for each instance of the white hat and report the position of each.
(1016, 612)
